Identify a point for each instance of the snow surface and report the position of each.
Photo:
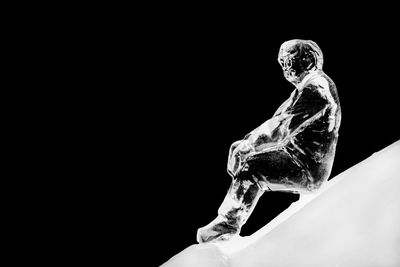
(353, 221)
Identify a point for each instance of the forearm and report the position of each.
(269, 134)
(266, 135)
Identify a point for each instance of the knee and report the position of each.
(238, 154)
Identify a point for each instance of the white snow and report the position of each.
(353, 221)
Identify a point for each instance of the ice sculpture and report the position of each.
(293, 151)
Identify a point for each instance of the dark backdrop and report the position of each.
(207, 85)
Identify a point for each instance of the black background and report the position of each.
(206, 85)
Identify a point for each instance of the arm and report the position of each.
(291, 118)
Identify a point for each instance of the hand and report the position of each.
(238, 153)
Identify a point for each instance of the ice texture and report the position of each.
(293, 151)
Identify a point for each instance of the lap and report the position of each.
(277, 169)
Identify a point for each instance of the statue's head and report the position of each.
(299, 58)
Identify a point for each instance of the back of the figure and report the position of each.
(314, 142)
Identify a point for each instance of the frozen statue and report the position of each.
(293, 151)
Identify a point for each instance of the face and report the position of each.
(298, 58)
(290, 66)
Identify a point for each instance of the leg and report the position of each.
(278, 170)
(237, 206)
(274, 170)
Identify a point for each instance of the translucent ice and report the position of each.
(293, 151)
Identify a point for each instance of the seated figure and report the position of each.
(293, 151)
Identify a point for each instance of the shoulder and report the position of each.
(313, 95)
(320, 85)
(313, 92)
(318, 82)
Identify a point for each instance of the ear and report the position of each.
(317, 53)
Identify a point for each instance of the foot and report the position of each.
(217, 230)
